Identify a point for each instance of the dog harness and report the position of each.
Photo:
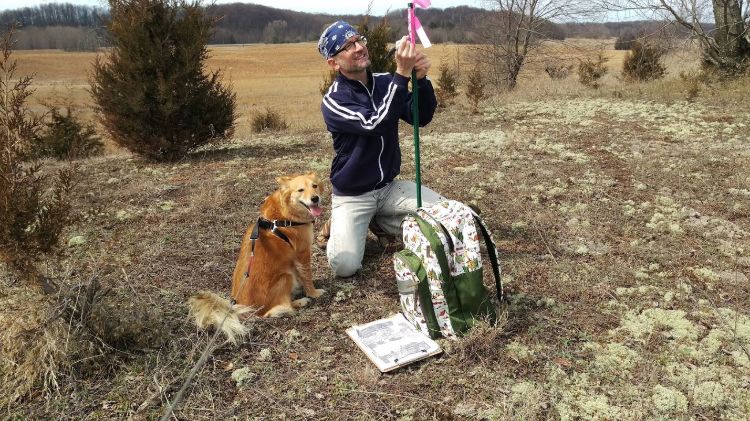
(265, 224)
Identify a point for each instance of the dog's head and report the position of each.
(302, 193)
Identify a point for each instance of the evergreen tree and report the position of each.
(151, 90)
(447, 85)
(475, 88)
(378, 39)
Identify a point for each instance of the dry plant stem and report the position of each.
(733, 330)
(393, 395)
(544, 239)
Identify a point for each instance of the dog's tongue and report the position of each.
(316, 210)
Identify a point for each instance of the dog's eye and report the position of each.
(301, 190)
(315, 186)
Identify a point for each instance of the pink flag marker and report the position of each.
(416, 26)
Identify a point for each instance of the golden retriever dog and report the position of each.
(273, 265)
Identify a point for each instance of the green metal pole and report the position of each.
(415, 112)
(415, 123)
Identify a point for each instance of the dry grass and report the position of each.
(623, 222)
(34, 350)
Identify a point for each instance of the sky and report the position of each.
(346, 7)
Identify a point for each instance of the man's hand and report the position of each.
(406, 57)
(422, 65)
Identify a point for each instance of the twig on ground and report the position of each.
(544, 239)
(393, 395)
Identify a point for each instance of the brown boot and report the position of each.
(384, 239)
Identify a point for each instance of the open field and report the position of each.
(623, 221)
(285, 78)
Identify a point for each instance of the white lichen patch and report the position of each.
(166, 205)
(612, 360)
(76, 240)
(733, 277)
(639, 290)
(667, 400)
(579, 398)
(740, 192)
(641, 274)
(559, 150)
(708, 394)
(519, 352)
(705, 274)
(730, 248)
(467, 169)
(488, 143)
(671, 324)
(629, 209)
(123, 215)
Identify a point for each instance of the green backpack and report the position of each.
(439, 272)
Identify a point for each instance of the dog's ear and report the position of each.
(284, 180)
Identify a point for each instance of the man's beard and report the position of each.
(354, 67)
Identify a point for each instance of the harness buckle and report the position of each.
(281, 224)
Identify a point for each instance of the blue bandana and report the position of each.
(334, 37)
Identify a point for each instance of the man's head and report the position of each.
(344, 48)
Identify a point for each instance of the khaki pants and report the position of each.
(351, 215)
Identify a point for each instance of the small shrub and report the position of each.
(643, 62)
(625, 41)
(44, 338)
(34, 208)
(475, 88)
(269, 121)
(447, 85)
(65, 137)
(33, 346)
(558, 71)
(590, 71)
(692, 82)
(479, 342)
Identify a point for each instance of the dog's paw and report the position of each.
(300, 302)
(280, 311)
(317, 293)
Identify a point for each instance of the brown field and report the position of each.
(285, 78)
(623, 221)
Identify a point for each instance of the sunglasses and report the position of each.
(362, 41)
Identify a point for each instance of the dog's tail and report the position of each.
(210, 310)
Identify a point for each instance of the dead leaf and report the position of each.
(563, 362)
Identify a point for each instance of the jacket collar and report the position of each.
(357, 85)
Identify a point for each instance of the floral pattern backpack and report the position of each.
(439, 272)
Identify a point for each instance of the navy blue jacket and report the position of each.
(364, 127)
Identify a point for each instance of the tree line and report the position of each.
(74, 27)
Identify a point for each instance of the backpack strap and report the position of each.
(492, 252)
(451, 248)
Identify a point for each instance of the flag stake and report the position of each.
(415, 110)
